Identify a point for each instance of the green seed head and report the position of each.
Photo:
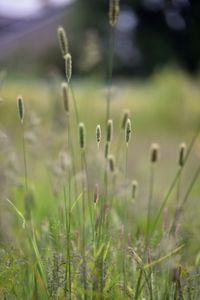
(111, 162)
(98, 134)
(20, 106)
(113, 12)
(128, 131)
(62, 39)
(134, 189)
(107, 149)
(154, 152)
(109, 131)
(125, 118)
(82, 140)
(182, 150)
(65, 96)
(68, 66)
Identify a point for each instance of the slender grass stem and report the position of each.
(25, 159)
(175, 179)
(150, 198)
(109, 71)
(75, 103)
(84, 228)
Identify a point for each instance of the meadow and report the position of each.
(99, 186)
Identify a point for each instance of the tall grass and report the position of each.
(91, 247)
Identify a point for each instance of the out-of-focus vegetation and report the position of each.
(164, 109)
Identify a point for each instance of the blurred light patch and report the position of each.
(174, 20)
(127, 20)
(27, 8)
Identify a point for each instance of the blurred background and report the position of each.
(150, 34)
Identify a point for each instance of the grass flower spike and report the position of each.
(20, 106)
(82, 136)
(65, 96)
(62, 38)
(98, 134)
(182, 150)
(155, 152)
(128, 131)
(68, 66)
(109, 131)
(113, 12)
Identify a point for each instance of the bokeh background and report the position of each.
(150, 34)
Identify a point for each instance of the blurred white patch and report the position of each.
(27, 8)
(127, 20)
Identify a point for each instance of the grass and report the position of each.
(72, 226)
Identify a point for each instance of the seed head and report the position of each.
(96, 193)
(128, 131)
(82, 136)
(109, 131)
(98, 134)
(68, 66)
(154, 152)
(65, 96)
(111, 161)
(113, 12)
(62, 39)
(182, 150)
(20, 106)
(124, 119)
(134, 189)
(107, 149)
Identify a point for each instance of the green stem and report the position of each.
(109, 74)
(174, 181)
(25, 160)
(83, 228)
(75, 103)
(151, 190)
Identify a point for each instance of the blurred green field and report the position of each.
(164, 109)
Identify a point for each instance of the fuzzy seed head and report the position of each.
(65, 96)
(98, 134)
(113, 12)
(68, 66)
(155, 148)
(96, 193)
(109, 131)
(128, 131)
(134, 189)
(107, 149)
(125, 117)
(20, 106)
(82, 139)
(182, 151)
(62, 39)
(111, 162)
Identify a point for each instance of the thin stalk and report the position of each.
(69, 216)
(175, 179)
(125, 227)
(83, 228)
(109, 72)
(151, 190)
(174, 222)
(75, 103)
(66, 228)
(25, 160)
(180, 209)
